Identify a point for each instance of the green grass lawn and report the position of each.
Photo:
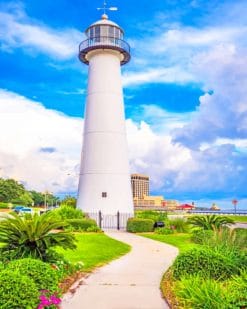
(95, 249)
(242, 219)
(180, 240)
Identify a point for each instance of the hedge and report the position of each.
(138, 225)
(80, 224)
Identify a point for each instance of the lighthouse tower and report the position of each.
(104, 183)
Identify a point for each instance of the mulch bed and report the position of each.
(166, 286)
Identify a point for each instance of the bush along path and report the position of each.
(131, 282)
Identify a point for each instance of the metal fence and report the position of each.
(116, 221)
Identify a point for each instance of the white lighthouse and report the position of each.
(104, 183)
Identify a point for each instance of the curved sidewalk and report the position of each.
(130, 282)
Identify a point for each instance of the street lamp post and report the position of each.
(234, 202)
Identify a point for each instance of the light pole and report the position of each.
(234, 202)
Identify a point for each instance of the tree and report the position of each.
(33, 236)
(69, 201)
(37, 197)
(10, 189)
(24, 199)
(211, 222)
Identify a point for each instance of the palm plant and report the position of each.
(33, 236)
(211, 222)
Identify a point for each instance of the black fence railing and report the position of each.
(104, 41)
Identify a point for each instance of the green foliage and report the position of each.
(211, 222)
(32, 236)
(69, 201)
(40, 272)
(138, 225)
(152, 214)
(241, 234)
(237, 287)
(24, 199)
(4, 205)
(80, 224)
(94, 229)
(17, 291)
(201, 236)
(180, 225)
(67, 212)
(163, 230)
(37, 197)
(10, 190)
(197, 293)
(205, 262)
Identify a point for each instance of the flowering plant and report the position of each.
(47, 300)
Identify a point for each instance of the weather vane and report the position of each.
(105, 8)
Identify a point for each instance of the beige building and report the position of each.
(149, 201)
(139, 185)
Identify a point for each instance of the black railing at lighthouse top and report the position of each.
(104, 42)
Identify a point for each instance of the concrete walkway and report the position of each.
(130, 282)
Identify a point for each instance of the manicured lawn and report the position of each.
(95, 249)
(242, 219)
(180, 240)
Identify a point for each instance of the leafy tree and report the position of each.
(211, 222)
(33, 236)
(37, 197)
(24, 199)
(69, 201)
(10, 189)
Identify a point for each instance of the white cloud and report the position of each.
(18, 31)
(38, 146)
(157, 75)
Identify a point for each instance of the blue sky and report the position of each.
(184, 90)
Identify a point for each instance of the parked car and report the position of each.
(18, 208)
(25, 210)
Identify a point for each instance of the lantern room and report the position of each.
(104, 34)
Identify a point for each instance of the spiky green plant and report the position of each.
(210, 222)
(32, 236)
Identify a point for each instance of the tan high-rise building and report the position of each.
(139, 185)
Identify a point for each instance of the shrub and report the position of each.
(80, 224)
(210, 222)
(241, 234)
(237, 287)
(196, 292)
(201, 236)
(204, 262)
(4, 205)
(17, 291)
(41, 273)
(68, 212)
(138, 225)
(179, 224)
(94, 229)
(152, 214)
(163, 230)
(32, 236)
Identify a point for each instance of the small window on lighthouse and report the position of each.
(104, 194)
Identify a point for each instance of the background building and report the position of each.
(139, 185)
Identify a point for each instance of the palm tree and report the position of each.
(211, 222)
(33, 236)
